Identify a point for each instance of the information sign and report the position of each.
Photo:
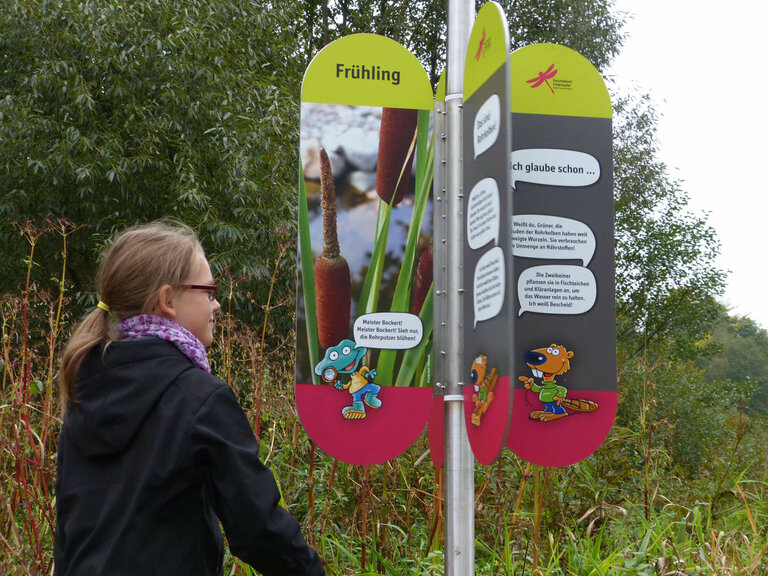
(487, 261)
(564, 360)
(363, 387)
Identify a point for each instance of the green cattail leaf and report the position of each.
(402, 298)
(412, 357)
(308, 277)
(423, 168)
(426, 367)
(369, 294)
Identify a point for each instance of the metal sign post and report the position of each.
(459, 462)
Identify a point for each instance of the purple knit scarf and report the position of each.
(166, 329)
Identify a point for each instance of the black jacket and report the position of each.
(151, 454)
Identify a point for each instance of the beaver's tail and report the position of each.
(580, 405)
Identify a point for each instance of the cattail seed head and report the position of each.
(396, 143)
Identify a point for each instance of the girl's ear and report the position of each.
(165, 302)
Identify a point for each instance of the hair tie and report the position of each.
(103, 306)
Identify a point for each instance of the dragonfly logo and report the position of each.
(544, 78)
(483, 45)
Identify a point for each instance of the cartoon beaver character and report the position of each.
(547, 363)
(484, 384)
(344, 358)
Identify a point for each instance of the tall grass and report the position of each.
(628, 509)
(31, 323)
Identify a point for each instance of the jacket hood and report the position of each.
(117, 389)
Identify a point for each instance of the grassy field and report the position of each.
(628, 509)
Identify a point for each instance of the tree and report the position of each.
(666, 302)
(666, 278)
(590, 27)
(113, 113)
(742, 357)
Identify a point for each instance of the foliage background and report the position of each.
(115, 112)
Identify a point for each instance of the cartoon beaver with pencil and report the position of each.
(547, 363)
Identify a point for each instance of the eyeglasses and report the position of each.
(204, 287)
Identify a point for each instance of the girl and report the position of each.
(154, 450)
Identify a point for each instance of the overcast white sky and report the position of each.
(704, 65)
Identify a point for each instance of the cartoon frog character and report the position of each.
(345, 358)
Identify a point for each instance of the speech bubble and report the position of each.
(388, 330)
(552, 237)
(487, 124)
(556, 290)
(554, 167)
(483, 214)
(489, 284)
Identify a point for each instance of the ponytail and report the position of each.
(93, 330)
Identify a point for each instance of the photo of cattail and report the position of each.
(365, 228)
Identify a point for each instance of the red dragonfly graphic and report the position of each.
(480, 47)
(543, 77)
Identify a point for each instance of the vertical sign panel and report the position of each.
(487, 259)
(564, 357)
(364, 317)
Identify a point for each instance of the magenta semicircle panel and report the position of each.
(560, 442)
(383, 434)
(487, 436)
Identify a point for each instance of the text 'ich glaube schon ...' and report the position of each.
(363, 72)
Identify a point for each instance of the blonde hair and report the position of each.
(138, 263)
